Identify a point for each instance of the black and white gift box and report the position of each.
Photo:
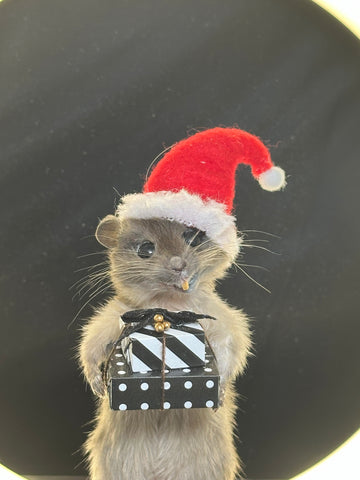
(184, 348)
(196, 387)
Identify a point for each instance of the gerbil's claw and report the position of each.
(97, 386)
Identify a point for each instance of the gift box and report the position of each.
(196, 387)
(184, 348)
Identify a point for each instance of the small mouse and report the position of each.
(167, 248)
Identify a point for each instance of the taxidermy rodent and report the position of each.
(169, 255)
(150, 259)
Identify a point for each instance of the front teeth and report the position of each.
(185, 285)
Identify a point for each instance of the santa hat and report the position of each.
(194, 183)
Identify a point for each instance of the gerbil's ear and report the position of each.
(107, 232)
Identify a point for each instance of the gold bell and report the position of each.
(158, 317)
(159, 327)
(166, 325)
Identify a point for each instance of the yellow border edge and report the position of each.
(337, 10)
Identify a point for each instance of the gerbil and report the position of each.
(160, 260)
(150, 259)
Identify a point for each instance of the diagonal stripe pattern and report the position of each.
(185, 348)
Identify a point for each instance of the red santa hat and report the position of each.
(194, 183)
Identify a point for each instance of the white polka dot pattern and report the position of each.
(209, 384)
(144, 406)
(188, 385)
(167, 405)
(122, 406)
(144, 386)
(122, 387)
(209, 403)
(187, 404)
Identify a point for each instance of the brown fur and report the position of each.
(174, 444)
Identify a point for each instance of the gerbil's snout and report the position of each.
(177, 263)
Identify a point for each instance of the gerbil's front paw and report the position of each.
(97, 385)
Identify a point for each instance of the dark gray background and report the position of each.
(90, 92)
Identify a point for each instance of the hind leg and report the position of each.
(196, 445)
(121, 445)
(107, 462)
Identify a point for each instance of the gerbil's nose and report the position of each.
(177, 264)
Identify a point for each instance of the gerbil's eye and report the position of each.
(145, 249)
(193, 236)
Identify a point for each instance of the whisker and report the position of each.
(95, 274)
(252, 279)
(260, 231)
(259, 247)
(85, 237)
(91, 287)
(91, 267)
(155, 159)
(78, 282)
(99, 289)
(86, 278)
(236, 264)
(87, 303)
(257, 240)
(103, 252)
(117, 192)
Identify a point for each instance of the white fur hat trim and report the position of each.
(183, 207)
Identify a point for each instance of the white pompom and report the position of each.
(273, 179)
